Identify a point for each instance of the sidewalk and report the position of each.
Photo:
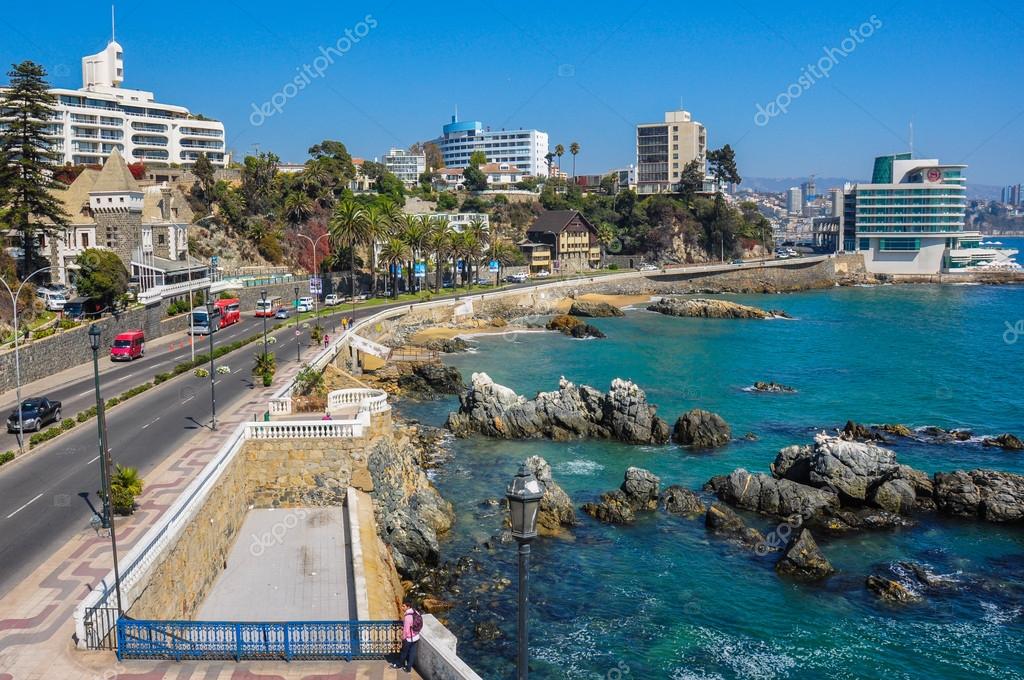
(35, 617)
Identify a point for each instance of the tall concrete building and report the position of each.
(663, 150)
(524, 149)
(91, 122)
(406, 165)
(910, 219)
(794, 201)
(1011, 195)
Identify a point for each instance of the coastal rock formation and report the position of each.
(447, 345)
(803, 560)
(638, 493)
(723, 521)
(701, 429)
(594, 309)
(890, 590)
(409, 511)
(429, 378)
(712, 309)
(855, 432)
(622, 413)
(573, 327)
(986, 494)
(556, 508)
(844, 520)
(770, 496)
(1005, 441)
(676, 500)
(793, 463)
(773, 387)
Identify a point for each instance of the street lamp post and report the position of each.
(213, 375)
(106, 464)
(298, 345)
(316, 274)
(523, 494)
(17, 356)
(263, 297)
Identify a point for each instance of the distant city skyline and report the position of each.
(795, 90)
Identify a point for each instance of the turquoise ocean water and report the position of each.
(661, 598)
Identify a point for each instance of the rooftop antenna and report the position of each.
(911, 139)
(113, 32)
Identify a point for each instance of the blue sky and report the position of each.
(585, 72)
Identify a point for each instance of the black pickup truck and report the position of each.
(35, 413)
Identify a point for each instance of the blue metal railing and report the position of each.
(306, 640)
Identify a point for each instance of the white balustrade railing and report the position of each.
(369, 400)
(280, 406)
(306, 429)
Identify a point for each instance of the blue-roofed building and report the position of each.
(525, 149)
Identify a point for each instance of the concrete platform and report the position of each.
(291, 564)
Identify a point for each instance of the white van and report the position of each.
(304, 304)
(54, 301)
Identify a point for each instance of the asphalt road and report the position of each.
(45, 499)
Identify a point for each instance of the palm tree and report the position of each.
(415, 230)
(504, 252)
(378, 227)
(393, 252)
(317, 182)
(348, 225)
(549, 157)
(439, 241)
(459, 248)
(559, 151)
(574, 149)
(298, 207)
(478, 231)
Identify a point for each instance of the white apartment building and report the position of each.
(525, 149)
(405, 165)
(663, 150)
(92, 121)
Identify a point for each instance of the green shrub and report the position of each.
(44, 333)
(201, 373)
(162, 377)
(268, 379)
(44, 436)
(6, 457)
(227, 295)
(316, 335)
(112, 402)
(67, 424)
(65, 324)
(86, 414)
(613, 267)
(138, 389)
(125, 485)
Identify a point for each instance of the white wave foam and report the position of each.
(579, 466)
(1000, 616)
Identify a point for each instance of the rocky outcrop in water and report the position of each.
(722, 520)
(573, 327)
(409, 511)
(556, 509)
(1005, 441)
(429, 378)
(594, 309)
(701, 429)
(985, 494)
(676, 500)
(447, 345)
(890, 590)
(638, 493)
(772, 387)
(767, 495)
(706, 308)
(803, 560)
(571, 412)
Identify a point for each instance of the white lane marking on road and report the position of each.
(92, 461)
(150, 422)
(24, 506)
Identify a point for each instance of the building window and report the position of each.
(85, 240)
(865, 244)
(899, 244)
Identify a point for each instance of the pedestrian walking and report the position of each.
(327, 340)
(412, 624)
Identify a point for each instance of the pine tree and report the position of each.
(28, 161)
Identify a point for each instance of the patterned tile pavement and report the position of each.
(35, 617)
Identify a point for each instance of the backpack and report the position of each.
(417, 622)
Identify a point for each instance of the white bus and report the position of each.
(201, 321)
(267, 307)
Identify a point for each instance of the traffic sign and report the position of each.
(420, 269)
(315, 285)
(494, 266)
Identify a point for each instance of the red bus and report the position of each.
(230, 311)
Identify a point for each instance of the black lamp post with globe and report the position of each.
(523, 494)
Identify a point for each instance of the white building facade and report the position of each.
(663, 150)
(525, 149)
(90, 122)
(405, 165)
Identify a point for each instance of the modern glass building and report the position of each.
(525, 149)
(910, 218)
(405, 165)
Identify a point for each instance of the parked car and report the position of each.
(738, 261)
(35, 413)
(53, 300)
(59, 288)
(128, 346)
(304, 304)
(332, 299)
(648, 267)
(516, 278)
(282, 313)
(542, 274)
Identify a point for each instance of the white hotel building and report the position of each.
(102, 116)
(524, 149)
